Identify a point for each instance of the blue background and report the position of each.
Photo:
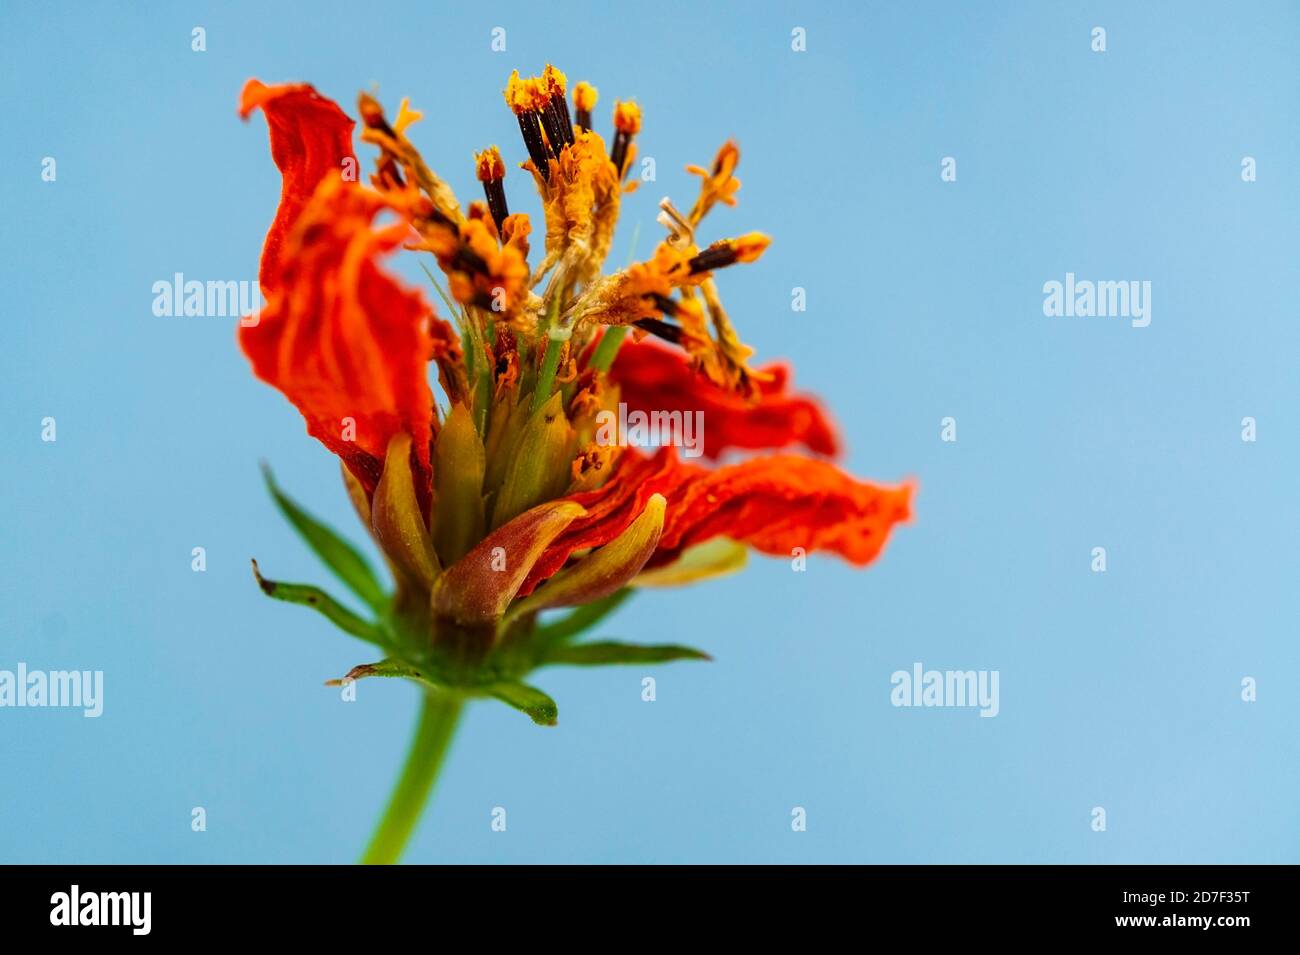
(1119, 690)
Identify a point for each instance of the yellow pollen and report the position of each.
(627, 117)
(749, 247)
(525, 95)
(553, 82)
(489, 166)
(406, 116)
(584, 96)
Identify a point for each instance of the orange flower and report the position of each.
(511, 502)
(345, 343)
(310, 138)
(507, 499)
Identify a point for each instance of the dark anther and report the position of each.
(467, 260)
(558, 107)
(660, 329)
(664, 304)
(714, 257)
(495, 190)
(618, 151)
(530, 125)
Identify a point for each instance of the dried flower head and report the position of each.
(511, 496)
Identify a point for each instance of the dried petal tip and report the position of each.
(311, 138)
(268, 586)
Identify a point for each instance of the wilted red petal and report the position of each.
(345, 342)
(606, 569)
(777, 503)
(773, 503)
(310, 138)
(654, 377)
(476, 589)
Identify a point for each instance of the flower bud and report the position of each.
(540, 463)
(459, 463)
(396, 519)
(477, 589)
(606, 569)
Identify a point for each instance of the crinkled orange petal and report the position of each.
(780, 502)
(342, 340)
(774, 504)
(311, 137)
(654, 377)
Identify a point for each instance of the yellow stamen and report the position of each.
(526, 95)
(553, 82)
(584, 96)
(489, 166)
(406, 116)
(749, 247)
(627, 117)
(719, 183)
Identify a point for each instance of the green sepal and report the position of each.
(527, 699)
(390, 668)
(337, 554)
(323, 603)
(396, 519)
(604, 654)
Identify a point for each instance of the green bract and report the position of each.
(476, 639)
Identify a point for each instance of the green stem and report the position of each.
(546, 379)
(439, 715)
(554, 345)
(607, 348)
